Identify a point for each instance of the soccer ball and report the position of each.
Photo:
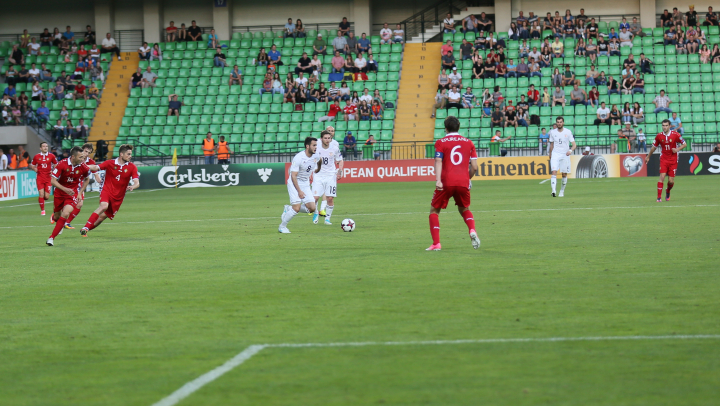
(347, 225)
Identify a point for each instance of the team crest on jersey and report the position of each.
(125, 170)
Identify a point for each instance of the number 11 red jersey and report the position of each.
(666, 143)
(456, 152)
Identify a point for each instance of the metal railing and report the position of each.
(281, 27)
(129, 40)
(425, 19)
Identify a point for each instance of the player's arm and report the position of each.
(473, 167)
(56, 184)
(319, 165)
(652, 151)
(550, 148)
(438, 173)
(572, 148)
(93, 168)
(293, 177)
(676, 150)
(85, 184)
(340, 172)
(135, 185)
(97, 177)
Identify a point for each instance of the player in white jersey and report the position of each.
(325, 181)
(301, 198)
(561, 145)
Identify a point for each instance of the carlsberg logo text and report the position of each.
(204, 178)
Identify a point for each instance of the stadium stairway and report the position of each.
(108, 117)
(421, 67)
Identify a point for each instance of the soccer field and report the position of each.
(184, 280)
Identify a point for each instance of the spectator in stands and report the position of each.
(613, 86)
(332, 112)
(591, 75)
(275, 56)
(174, 105)
(398, 35)
(171, 32)
(349, 64)
(350, 143)
(42, 113)
(670, 36)
(615, 115)
(449, 24)
(578, 96)
(148, 78)
(635, 28)
(593, 97)
(361, 63)
(559, 96)
(194, 32)
(109, 46)
(266, 84)
(344, 26)
(16, 56)
(522, 117)
(59, 131)
(352, 43)
(716, 150)
(81, 131)
(80, 92)
(638, 114)
(441, 99)
(466, 50)
(448, 60)
(88, 36)
(144, 52)
(497, 119)
(625, 37)
(455, 78)
(639, 84)
(322, 93)
(94, 93)
(219, 58)
(641, 141)
(447, 47)
(385, 34)
(136, 79)
(645, 64)
(629, 134)
(303, 64)
(545, 98)
(340, 43)
(68, 35)
(344, 91)
(338, 63)
(470, 23)
(289, 31)
(468, 98)
(558, 49)
(662, 103)
(627, 112)
(299, 29)
(319, 46)
(96, 73)
(522, 69)
(212, 40)
(603, 115)
(506, 70)
(676, 124)
(533, 96)
(484, 23)
(568, 78)
(513, 32)
(34, 48)
(290, 91)
(678, 18)
(614, 49)
(182, 35)
(262, 58)
(301, 80)
(711, 18)
(364, 44)
(454, 99)
(628, 84)
(46, 38)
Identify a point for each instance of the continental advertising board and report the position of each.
(191, 176)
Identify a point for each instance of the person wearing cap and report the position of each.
(319, 46)
(641, 140)
(510, 115)
(587, 151)
(455, 78)
(629, 134)
(350, 144)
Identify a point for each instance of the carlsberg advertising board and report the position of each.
(158, 177)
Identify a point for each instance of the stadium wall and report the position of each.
(609, 7)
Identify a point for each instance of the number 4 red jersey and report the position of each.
(117, 178)
(456, 152)
(666, 143)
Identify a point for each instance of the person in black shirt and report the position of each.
(489, 69)
(303, 64)
(666, 19)
(710, 18)
(691, 17)
(219, 58)
(501, 55)
(89, 36)
(135, 79)
(16, 56)
(46, 38)
(194, 33)
(602, 47)
(467, 49)
(612, 85)
(344, 26)
(592, 29)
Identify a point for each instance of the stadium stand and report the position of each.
(252, 123)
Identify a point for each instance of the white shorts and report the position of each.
(295, 198)
(325, 185)
(560, 163)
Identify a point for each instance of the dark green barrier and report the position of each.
(158, 177)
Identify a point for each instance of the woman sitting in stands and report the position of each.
(299, 29)
(262, 58)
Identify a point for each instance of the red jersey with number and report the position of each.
(456, 152)
(70, 176)
(666, 143)
(117, 178)
(44, 163)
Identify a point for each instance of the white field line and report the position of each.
(86, 197)
(204, 379)
(390, 214)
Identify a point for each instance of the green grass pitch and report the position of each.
(184, 280)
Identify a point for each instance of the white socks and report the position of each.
(328, 211)
(553, 182)
(304, 209)
(564, 182)
(323, 205)
(287, 216)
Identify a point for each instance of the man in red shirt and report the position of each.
(69, 178)
(455, 164)
(118, 174)
(43, 164)
(350, 111)
(334, 109)
(533, 96)
(80, 92)
(668, 142)
(87, 150)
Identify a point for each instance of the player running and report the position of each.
(298, 184)
(325, 181)
(87, 150)
(118, 174)
(455, 165)
(667, 141)
(562, 145)
(43, 164)
(68, 177)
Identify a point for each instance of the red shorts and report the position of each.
(461, 194)
(113, 205)
(669, 167)
(43, 184)
(61, 201)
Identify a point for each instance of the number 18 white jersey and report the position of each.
(304, 166)
(329, 157)
(561, 140)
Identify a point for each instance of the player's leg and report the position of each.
(323, 205)
(670, 184)
(660, 185)
(317, 189)
(462, 201)
(439, 202)
(564, 183)
(308, 202)
(63, 215)
(330, 194)
(41, 197)
(290, 210)
(94, 217)
(74, 214)
(553, 182)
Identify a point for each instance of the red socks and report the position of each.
(73, 215)
(669, 187)
(58, 227)
(435, 228)
(41, 201)
(91, 221)
(469, 220)
(660, 188)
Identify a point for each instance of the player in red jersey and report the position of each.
(668, 142)
(118, 174)
(87, 150)
(68, 177)
(43, 164)
(455, 164)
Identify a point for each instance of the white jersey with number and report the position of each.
(561, 141)
(329, 157)
(304, 166)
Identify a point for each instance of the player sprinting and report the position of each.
(118, 174)
(87, 150)
(325, 181)
(667, 141)
(298, 184)
(43, 164)
(68, 178)
(561, 145)
(455, 165)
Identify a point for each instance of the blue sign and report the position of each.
(27, 187)
(221, 3)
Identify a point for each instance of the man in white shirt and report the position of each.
(300, 80)
(454, 98)
(603, 115)
(301, 195)
(535, 54)
(34, 73)
(561, 146)
(626, 38)
(455, 78)
(398, 35)
(34, 47)
(367, 97)
(3, 160)
(449, 24)
(361, 63)
(109, 46)
(385, 34)
(144, 51)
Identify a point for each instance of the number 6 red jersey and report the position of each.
(117, 178)
(456, 152)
